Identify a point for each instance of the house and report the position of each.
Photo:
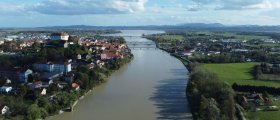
(16, 74)
(268, 41)
(23, 76)
(61, 85)
(2, 42)
(44, 91)
(64, 67)
(60, 36)
(35, 85)
(48, 77)
(100, 63)
(5, 89)
(90, 66)
(46, 83)
(187, 53)
(105, 55)
(259, 100)
(239, 50)
(75, 86)
(79, 56)
(4, 109)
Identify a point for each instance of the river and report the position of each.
(151, 87)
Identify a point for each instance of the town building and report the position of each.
(60, 36)
(4, 109)
(5, 89)
(64, 67)
(109, 55)
(16, 74)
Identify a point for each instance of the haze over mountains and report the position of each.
(186, 26)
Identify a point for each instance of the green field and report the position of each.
(265, 115)
(239, 73)
(248, 37)
(173, 37)
(229, 34)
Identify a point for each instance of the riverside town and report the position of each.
(139, 60)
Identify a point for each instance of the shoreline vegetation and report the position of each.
(207, 105)
(70, 109)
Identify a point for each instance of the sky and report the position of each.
(38, 13)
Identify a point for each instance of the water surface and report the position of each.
(151, 87)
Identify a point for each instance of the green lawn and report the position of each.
(239, 73)
(248, 37)
(243, 36)
(266, 115)
(173, 37)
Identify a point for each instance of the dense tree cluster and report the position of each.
(209, 99)
(221, 58)
(258, 89)
(266, 71)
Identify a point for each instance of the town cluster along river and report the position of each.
(152, 86)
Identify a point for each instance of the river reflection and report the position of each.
(151, 87)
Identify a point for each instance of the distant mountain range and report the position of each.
(187, 26)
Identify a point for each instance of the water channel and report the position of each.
(151, 87)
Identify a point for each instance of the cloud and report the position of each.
(81, 7)
(232, 4)
(14, 9)
(245, 4)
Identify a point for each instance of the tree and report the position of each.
(65, 99)
(44, 103)
(30, 78)
(23, 90)
(33, 112)
(208, 109)
(2, 80)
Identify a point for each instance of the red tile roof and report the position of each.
(75, 85)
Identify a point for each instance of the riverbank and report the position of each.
(85, 93)
(124, 61)
(196, 99)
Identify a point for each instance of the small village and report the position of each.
(54, 64)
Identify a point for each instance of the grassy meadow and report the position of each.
(239, 73)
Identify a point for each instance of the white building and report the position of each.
(64, 67)
(44, 91)
(5, 89)
(24, 75)
(60, 36)
(16, 74)
(2, 42)
(4, 109)
(269, 41)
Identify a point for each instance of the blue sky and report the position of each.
(35, 13)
